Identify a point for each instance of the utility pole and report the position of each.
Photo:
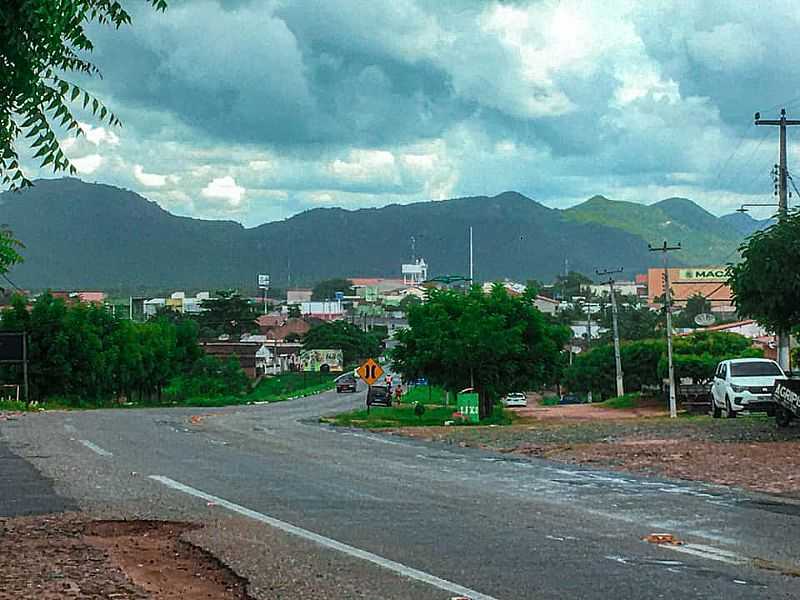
(783, 207)
(471, 270)
(617, 357)
(665, 249)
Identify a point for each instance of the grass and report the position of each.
(270, 389)
(380, 417)
(630, 400)
(549, 401)
(425, 394)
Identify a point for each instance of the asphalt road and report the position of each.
(389, 517)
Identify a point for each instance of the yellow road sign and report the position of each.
(370, 372)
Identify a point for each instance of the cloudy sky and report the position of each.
(254, 110)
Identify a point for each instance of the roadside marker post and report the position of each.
(369, 372)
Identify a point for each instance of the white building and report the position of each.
(415, 273)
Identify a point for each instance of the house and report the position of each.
(245, 352)
(326, 310)
(291, 327)
(298, 296)
(274, 357)
(546, 305)
(270, 321)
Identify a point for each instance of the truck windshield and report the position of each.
(755, 369)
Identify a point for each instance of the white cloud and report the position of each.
(87, 164)
(148, 179)
(366, 166)
(99, 135)
(225, 188)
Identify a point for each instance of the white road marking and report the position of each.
(709, 552)
(95, 448)
(326, 542)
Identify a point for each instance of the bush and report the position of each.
(209, 378)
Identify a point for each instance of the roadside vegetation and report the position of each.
(82, 356)
(380, 417)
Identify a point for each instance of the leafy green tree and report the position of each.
(409, 301)
(227, 313)
(764, 284)
(9, 250)
(295, 312)
(326, 289)
(498, 342)
(695, 305)
(571, 284)
(636, 321)
(354, 343)
(41, 41)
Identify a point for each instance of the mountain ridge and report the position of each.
(81, 235)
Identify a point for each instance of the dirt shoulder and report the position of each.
(65, 556)
(748, 452)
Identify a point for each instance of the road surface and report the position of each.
(389, 517)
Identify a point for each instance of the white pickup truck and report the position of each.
(744, 384)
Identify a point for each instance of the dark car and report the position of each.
(379, 395)
(346, 384)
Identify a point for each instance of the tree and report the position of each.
(326, 289)
(9, 256)
(409, 301)
(764, 284)
(636, 322)
(295, 312)
(497, 342)
(40, 42)
(695, 305)
(354, 343)
(571, 284)
(227, 313)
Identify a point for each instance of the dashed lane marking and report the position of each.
(326, 542)
(95, 448)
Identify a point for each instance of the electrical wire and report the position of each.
(14, 285)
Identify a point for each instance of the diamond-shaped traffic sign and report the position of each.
(370, 371)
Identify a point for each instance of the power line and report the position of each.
(14, 285)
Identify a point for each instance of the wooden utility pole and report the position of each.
(783, 206)
(617, 357)
(665, 250)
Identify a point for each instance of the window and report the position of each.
(756, 368)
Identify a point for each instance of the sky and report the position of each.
(255, 110)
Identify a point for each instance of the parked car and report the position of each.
(744, 384)
(346, 383)
(379, 395)
(570, 399)
(515, 399)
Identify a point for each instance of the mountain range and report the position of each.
(81, 235)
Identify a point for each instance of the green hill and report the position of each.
(82, 235)
(705, 239)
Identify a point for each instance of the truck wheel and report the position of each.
(716, 411)
(729, 412)
(782, 417)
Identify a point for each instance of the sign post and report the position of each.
(369, 372)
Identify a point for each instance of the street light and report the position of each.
(742, 208)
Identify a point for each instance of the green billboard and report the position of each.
(467, 403)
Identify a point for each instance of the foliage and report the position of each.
(499, 342)
(696, 356)
(629, 400)
(571, 284)
(294, 311)
(354, 343)
(644, 362)
(9, 246)
(326, 289)
(409, 301)
(40, 42)
(287, 385)
(764, 284)
(635, 321)
(227, 313)
(595, 370)
(406, 416)
(82, 353)
(207, 378)
(695, 305)
(425, 394)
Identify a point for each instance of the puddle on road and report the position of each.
(680, 567)
(781, 508)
